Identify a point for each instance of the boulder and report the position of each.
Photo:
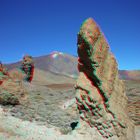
(8, 99)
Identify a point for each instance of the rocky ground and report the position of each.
(133, 94)
(46, 105)
(51, 104)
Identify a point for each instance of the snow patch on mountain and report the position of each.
(55, 54)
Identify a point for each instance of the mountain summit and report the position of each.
(56, 62)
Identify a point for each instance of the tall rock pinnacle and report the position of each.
(100, 94)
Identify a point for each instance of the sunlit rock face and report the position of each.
(100, 94)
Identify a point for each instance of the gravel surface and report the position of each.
(45, 105)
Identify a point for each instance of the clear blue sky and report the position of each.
(38, 27)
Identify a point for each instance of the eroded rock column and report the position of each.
(100, 94)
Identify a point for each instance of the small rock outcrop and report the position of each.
(27, 67)
(100, 94)
(12, 86)
(3, 73)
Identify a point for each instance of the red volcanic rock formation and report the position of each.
(3, 73)
(28, 67)
(100, 94)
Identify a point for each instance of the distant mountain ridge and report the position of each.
(65, 64)
(56, 62)
(130, 75)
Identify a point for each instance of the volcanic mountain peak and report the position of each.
(55, 54)
(56, 62)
